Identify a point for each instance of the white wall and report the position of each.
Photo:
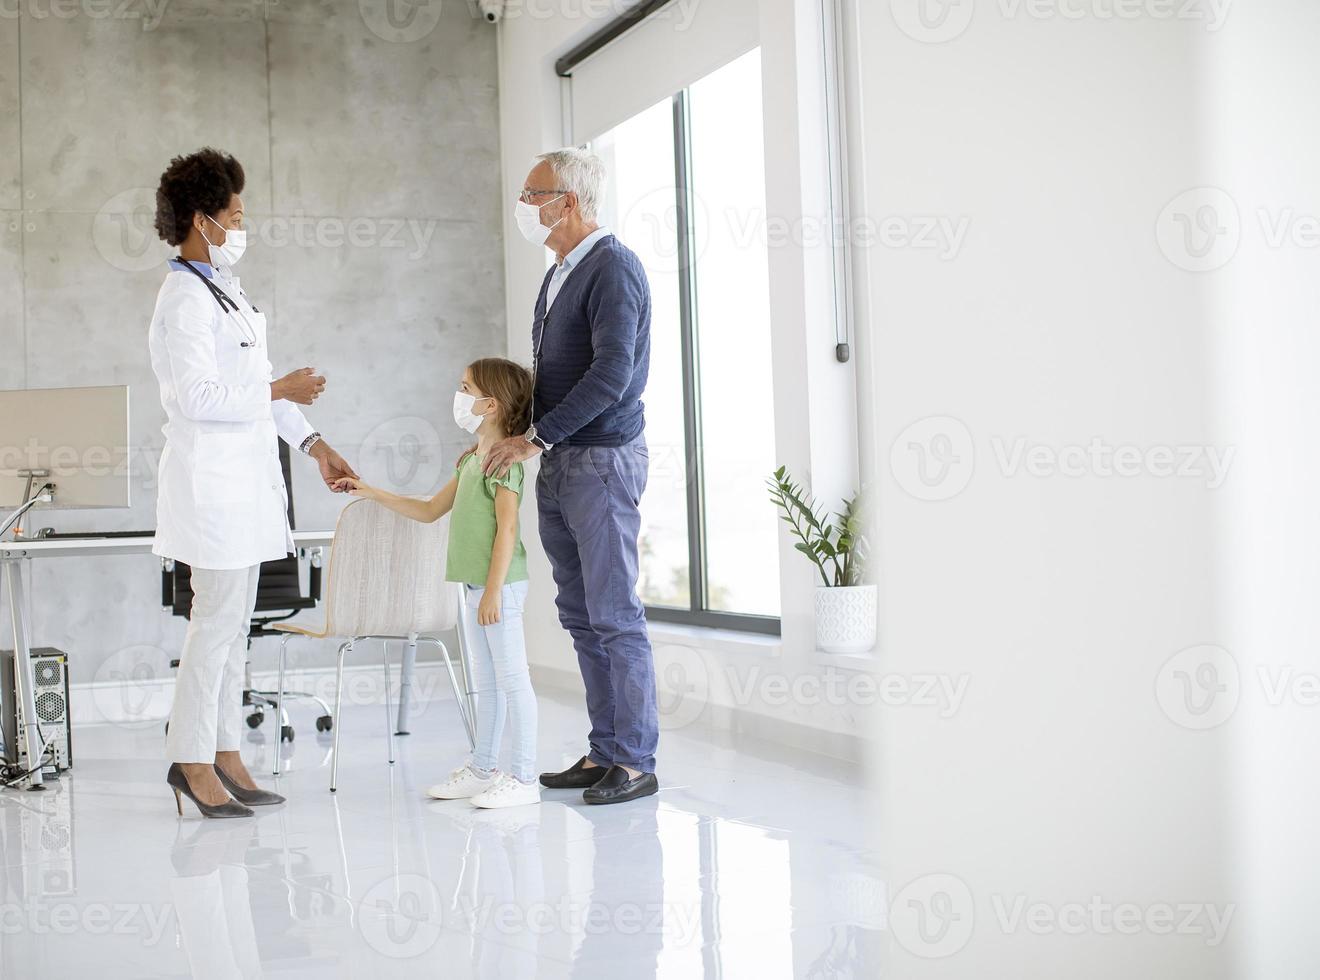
(1266, 155)
(1058, 598)
(706, 678)
(1105, 751)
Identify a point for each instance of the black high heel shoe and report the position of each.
(179, 783)
(248, 797)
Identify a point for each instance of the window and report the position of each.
(688, 196)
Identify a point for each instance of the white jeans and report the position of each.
(503, 687)
(207, 716)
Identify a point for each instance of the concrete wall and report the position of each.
(371, 146)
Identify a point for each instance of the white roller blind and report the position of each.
(673, 48)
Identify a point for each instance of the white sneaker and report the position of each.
(463, 782)
(507, 791)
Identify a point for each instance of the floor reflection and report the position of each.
(745, 865)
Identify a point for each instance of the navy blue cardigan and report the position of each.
(593, 350)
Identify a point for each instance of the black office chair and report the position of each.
(279, 597)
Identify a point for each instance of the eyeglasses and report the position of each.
(528, 194)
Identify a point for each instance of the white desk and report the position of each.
(12, 568)
(75, 547)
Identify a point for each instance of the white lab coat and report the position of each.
(221, 501)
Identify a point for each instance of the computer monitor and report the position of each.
(79, 435)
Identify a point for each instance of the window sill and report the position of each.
(868, 663)
(716, 640)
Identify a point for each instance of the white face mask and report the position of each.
(227, 255)
(528, 217)
(464, 417)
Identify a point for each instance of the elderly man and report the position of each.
(591, 340)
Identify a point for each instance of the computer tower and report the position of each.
(38, 835)
(50, 693)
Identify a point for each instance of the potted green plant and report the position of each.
(845, 607)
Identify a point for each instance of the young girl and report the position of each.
(487, 556)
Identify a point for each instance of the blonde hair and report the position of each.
(510, 385)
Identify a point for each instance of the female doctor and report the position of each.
(222, 505)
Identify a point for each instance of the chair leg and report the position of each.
(389, 710)
(279, 704)
(464, 646)
(464, 714)
(339, 699)
(407, 667)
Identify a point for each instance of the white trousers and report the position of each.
(214, 913)
(207, 716)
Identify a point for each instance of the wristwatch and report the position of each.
(531, 436)
(306, 445)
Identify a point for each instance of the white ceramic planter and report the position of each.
(845, 618)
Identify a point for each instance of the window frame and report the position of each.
(698, 612)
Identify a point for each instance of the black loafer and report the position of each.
(616, 787)
(577, 776)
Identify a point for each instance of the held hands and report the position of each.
(301, 386)
(333, 466)
(506, 452)
(354, 487)
(488, 609)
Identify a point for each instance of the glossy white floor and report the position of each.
(751, 862)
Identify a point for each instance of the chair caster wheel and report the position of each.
(286, 733)
(324, 723)
(255, 719)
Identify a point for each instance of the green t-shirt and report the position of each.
(472, 524)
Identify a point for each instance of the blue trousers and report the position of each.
(587, 499)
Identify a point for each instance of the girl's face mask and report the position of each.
(464, 416)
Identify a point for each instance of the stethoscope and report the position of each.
(227, 302)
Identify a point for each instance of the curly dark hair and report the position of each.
(204, 181)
